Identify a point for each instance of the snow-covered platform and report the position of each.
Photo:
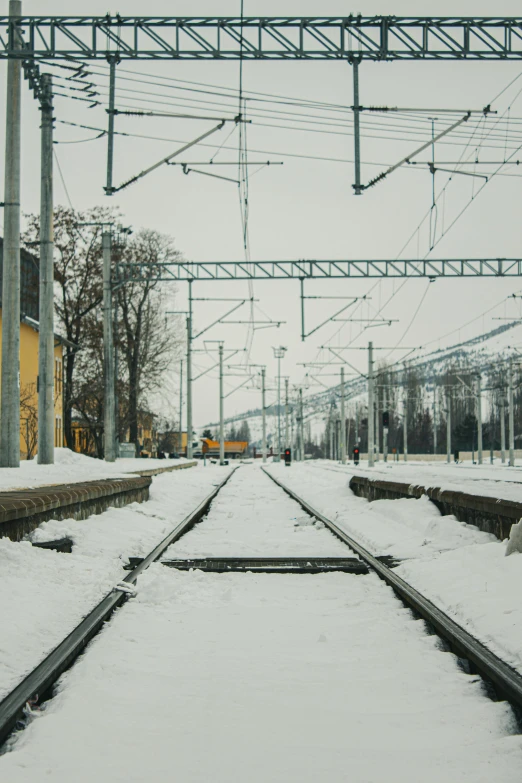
(71, 467)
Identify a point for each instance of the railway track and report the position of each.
(38, 685)
(506, 681)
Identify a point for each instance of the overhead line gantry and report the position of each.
(265, 38)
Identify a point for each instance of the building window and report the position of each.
(58, 377)
(58, 431)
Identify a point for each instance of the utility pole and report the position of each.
(263, 411)
(356, 128)
(46, 312)
(189, 373)
(10, 405)
(287, 442)
(371, 421)
(448, 426)
(377, 428)
(343, 421)
(435, 420)
(221, 418)
(356, 424)
(279, 354)
(479, 418)
(502, 430)
(385, 429)
(110, 135)
(301, 425)
(108, 352)
(405, 428)
(511, 415)
(292, 445)
(180, 446)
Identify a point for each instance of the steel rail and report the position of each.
(36, 687)
(507, 681)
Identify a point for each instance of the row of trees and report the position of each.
(233, 433)
(425, 400)
(145, 343)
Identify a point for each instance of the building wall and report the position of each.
(29, 394)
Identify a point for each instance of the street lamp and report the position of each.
(279, 354)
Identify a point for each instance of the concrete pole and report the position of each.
(371, 421)
(287, 442)
(292, 444)
(301, 425)
(10, 405)
(221, 415)
(279, 407)
(343, 420)
(385, 443)
(511, 415)
(110, 134)
(263, 411)
(479, 419)
(405, 429)
(356, 129)
(377, 438)
(356, 424)
(435, 421)
(180, 445)
(502, 430)
(108, 352)
(448, 427)
(189, 374)
(46, 315)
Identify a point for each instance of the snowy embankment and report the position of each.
(70, 467)
(495, 481)
(462, 570)
(46, 593)
(230, 677)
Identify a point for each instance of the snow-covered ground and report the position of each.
(231, 677)
(251, 517)
(462, 570)
(496, 480)
(46, 593)
(70, 467)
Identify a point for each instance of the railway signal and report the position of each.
(288, 457)
(356, 455)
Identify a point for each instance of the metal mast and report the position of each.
(46, 314)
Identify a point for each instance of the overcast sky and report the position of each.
(306, 208)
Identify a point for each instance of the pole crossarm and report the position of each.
(352, 38)
(295, 270)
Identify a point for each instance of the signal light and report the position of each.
(356, 455)
(385, 419)
(288, 456)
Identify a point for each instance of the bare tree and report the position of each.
(29, 418)
(79, 287)
(148, 345)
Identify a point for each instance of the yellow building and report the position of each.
(29, 289)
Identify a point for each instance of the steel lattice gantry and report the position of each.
(299, 270)
(352, 38)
